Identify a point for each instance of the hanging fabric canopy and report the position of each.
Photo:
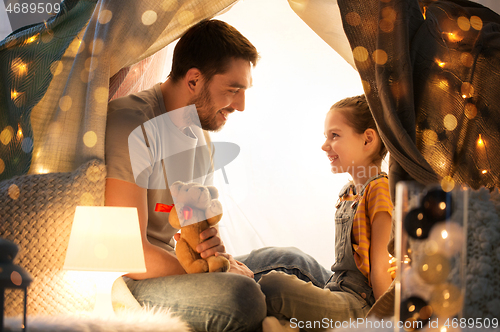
(431, 73)
(59, 75)
(430, 80)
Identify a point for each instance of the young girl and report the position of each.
(362, 229)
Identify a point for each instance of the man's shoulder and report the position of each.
(138, 106)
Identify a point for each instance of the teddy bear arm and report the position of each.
(214, 220)
(173, 219)
(217, 264)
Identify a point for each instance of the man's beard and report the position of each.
(207, 113)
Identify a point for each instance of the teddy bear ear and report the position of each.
(213, 192)
(174, 188)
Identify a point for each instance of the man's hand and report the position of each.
(212, 246)
(211, 243)
(235, 266)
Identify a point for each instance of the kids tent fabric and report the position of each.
(430, 70)
(430, 79)
(58, 76)
(431, 73)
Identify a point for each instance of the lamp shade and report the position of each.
(105, 238)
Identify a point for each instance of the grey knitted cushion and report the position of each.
(36, 212)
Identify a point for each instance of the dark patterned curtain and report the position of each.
(431, 73)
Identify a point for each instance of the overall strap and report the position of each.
(375, 177)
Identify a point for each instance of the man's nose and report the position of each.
(239, 101)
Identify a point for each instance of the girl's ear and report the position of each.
(370, 136)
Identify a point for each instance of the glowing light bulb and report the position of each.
(454, 37)
(484, 171)
(32, 39)
(19, 132)
(42, 170)
(19, 67)
(448, 237)
(14, 94)
(440, 63)
(480, 141)
(446, 300)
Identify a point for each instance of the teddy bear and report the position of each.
(199, 209)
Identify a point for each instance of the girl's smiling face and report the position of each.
(344, 147)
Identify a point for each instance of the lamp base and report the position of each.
(104, 282)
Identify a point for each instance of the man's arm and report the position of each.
(159, 262)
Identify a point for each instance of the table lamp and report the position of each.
(105, 240)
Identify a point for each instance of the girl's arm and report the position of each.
(379, 256)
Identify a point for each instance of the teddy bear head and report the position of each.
(194, 203)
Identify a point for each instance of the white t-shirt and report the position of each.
(185, 153)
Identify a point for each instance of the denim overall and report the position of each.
(347, 277)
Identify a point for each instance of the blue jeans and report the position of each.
(289, 260)
(226, 301)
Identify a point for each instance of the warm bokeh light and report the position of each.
(463, 23)
(447, 184)
(90, 139)
(6, 135)
(450, 122)
(476, 23)
(467, 90)
(353, 19)
(360, 53)
(105, 16)
(470, 111)
(149, 17)
(186, 17)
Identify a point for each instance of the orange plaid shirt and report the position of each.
(375, 199)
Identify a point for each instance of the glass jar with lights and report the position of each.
(430, 245)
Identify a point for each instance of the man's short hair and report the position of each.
(208, 46)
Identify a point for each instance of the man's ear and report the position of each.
(192, 80)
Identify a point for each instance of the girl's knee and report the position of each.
(246, 304)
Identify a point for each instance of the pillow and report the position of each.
(36, 212)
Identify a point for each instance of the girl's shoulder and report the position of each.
(378, 185)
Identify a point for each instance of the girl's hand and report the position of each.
(235, 266)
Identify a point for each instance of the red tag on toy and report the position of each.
(163, 207)
(187, 212)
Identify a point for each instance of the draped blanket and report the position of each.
(56, 76)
